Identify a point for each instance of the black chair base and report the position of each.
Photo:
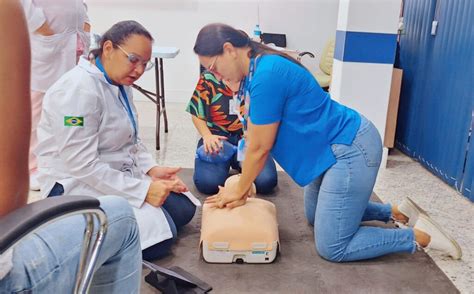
(175, 280)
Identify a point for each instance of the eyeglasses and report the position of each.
(136, 60)
(212, 67)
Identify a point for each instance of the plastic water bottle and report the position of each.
(257, 33)
(225, 153)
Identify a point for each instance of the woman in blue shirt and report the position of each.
(328, 148)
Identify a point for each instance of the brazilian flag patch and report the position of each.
(74, 121)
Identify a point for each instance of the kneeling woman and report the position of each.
(214, 113)
(89, 144)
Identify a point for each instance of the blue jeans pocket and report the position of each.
(369, 143)
(337, 178)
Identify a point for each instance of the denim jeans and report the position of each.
(208, 176)
(338, 201)
(46, 262)
(57, 190)
(178, 210)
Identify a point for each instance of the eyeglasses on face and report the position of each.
(136, 60)
(212, 67)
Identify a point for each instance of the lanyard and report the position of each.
(244, 94)
(125, 103)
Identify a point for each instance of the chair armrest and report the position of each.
(22, 221)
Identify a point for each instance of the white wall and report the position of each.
(308, 24)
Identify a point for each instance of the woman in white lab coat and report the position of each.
(56, 29)
(88, 141)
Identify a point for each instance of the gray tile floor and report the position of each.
(402, 177)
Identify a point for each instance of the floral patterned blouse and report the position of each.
(212, 101)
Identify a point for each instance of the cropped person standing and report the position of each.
(55, 28)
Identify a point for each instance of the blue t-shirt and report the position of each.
(310, 122)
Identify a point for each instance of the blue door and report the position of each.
(437, 97)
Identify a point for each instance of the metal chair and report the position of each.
(30, 218)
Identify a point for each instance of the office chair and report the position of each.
(325, 65)
(28, 219)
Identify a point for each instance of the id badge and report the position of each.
(241, 148)
(232, 109)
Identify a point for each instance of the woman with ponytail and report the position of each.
(329, 149)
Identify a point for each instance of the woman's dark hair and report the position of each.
(211, 38)
(120, 32)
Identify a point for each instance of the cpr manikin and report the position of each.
(247, 233)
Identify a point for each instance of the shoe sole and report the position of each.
(416, 206)
(435, 224)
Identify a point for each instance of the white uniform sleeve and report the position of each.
(145, 160)
(86, 15)
(78, 145)
(34, 15)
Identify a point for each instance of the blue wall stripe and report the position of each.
(365, 47)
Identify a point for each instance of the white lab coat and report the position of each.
(52, 56)
(100, 157)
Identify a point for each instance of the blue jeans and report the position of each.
(338, 201)
(178, 210)
(208, 176)
(46, 262)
